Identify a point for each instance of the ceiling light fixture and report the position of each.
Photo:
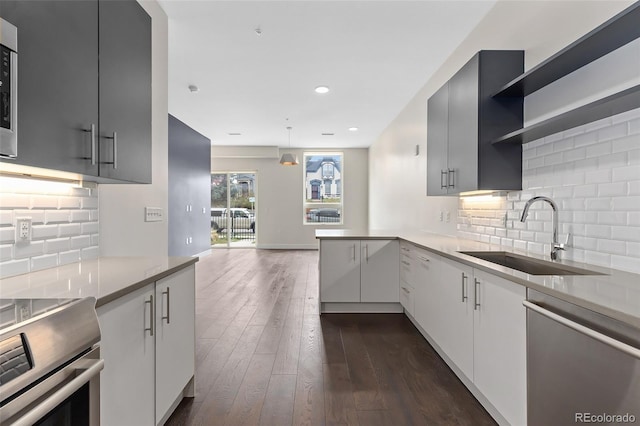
(322, 89)
(289, 159)
(353, 129)
(193, 88)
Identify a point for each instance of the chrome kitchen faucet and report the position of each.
(556, 247)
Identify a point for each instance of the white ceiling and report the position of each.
(374, 56)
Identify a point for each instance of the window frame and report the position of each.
(308, 205)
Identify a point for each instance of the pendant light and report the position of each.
(288, 159)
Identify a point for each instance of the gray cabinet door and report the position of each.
(125, 91)
(437, 140)
(57, 82)
(462, 152)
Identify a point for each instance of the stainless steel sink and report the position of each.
(529, 265)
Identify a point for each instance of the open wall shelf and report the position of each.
(606, 107)
(616, 32)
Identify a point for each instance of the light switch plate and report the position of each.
(153, 214)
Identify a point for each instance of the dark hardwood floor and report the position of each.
(264, 356)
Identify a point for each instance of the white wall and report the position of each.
(123, 231)
(279, 193)
(397, 177)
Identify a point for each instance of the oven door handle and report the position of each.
(91, 367)
(602, 338)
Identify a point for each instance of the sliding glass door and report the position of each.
(233, 209)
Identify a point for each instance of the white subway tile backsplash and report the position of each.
(36, 216)
(7, 235)
(14, 201)
(57, 216)
(39, 232)
(82, 241)
(43, 262)
(44, 202)
(23, 250)
(67, 257)
(69, 229)
(593, 174)
(14, 267)
(6, 217)
(56, 245)
(80, 216)
(52, 232)
(6, 252)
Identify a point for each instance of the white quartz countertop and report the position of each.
(105, 278)
(615, 294)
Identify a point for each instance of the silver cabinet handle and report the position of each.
(464, 282)
(602, 338)
(366, 251)
(168, 317)
(92, 130)
(405, 290)
(443, 183)
(150, 329)
(426, 259)
(115, 150)
(404, 262)
(476, 286)
(354, 253)
(451, 178)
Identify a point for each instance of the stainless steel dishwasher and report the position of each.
(582, 367)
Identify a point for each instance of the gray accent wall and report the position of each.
(189, 211)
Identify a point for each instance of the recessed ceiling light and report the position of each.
(234, 134)
(193, 88)
(322, 89)
(327, 134)
(353, 129)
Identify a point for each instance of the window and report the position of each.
(323, 187)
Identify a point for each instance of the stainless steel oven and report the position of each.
(50, 364)
(8, 90)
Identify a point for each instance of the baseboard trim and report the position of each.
(369, 308)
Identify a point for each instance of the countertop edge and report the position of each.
(137, 285)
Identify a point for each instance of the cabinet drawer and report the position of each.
(407, 266)
(407, 297)
(407, 249)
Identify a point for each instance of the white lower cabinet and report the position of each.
(499, 345)
(148, 345)
(359, 271)
(477, 320)
(127, 388)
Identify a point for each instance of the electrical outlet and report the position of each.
(153, 214)
(23, 229)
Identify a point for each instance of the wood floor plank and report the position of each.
(248, 403)
(332, 340)
(289, 348)
(364, 381)
(309, 407)
(340, 407)
(219, 399)
(278, 403)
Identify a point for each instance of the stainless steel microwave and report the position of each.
(8, 90)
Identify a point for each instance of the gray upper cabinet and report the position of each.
(84, 76)
(463, 119)
(57, 83)
(125, 91)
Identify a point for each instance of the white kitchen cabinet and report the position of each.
(148, 345)
(426, 276)
(499, 345)
(379, 271)
(454, 309)
(175, 338)
(127, 394)
(340, 270)
(407, 291)
(359, 271)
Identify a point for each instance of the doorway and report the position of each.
(234, 216)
